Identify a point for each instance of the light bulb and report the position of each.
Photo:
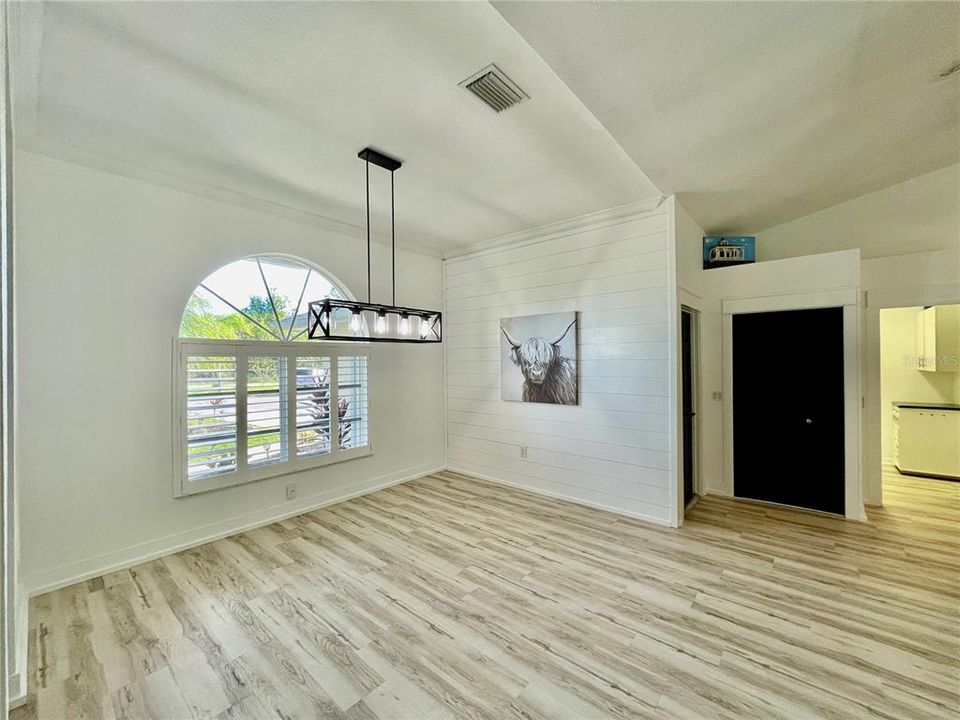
(355, 321)
(381, 326)
(424, 328)
(404, 324)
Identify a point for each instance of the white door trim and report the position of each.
(791, 301)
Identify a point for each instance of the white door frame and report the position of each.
(849, 300)
(875, 301)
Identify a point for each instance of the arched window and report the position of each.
(262, 297)
(254, 396)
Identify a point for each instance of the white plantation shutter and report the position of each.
(211, 413)
(257, 409)
(352, 401)
(266, 410)
(313, 406)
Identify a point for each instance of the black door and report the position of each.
(686, 354)
(788, 408)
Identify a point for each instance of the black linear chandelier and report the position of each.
(351, 320)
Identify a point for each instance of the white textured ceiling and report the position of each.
(758, 113)
(271, 102)
(755, 113)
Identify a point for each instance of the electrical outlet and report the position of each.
(291, 491)
(716, 395)
(523, 451)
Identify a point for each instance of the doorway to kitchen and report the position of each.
(919, 397)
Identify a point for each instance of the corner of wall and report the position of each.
(72, 573)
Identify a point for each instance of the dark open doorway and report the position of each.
(689, 390)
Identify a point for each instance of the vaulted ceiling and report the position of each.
(759, 113)
(272, 101)
(755, 113)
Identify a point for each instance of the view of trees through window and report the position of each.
(264, 297)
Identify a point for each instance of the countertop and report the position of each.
(926, 406)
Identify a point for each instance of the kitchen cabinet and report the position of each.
(938, 338)
(927, 440)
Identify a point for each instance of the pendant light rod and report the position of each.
(367, 166)
(393, 245)
(369, 155)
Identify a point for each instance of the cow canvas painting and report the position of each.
(538, 359)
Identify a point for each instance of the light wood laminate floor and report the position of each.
(454, 598)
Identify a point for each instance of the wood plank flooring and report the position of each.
(453, 598)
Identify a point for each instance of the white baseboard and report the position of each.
(17, 678)
(72, 573)
(718, 491)
(560, 496)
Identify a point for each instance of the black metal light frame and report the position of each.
(321, 312)
(319, 325)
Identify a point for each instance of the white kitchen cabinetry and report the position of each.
(938, 338)
(927, 441)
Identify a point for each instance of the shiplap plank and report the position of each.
(588, 351)
(573, 430)
(547, 275)
(597, 368)
(532, 411)
(656, 332)
(628, 472)
(647, 297)
(602, 401)
(570, 478)
(551, 443)
(648, 281)
(588, 385)
(486, 465)
(589, 319)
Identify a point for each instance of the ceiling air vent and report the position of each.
(496, 90)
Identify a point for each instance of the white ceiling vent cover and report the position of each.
(494, 89)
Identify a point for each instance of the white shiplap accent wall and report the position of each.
(614, 449)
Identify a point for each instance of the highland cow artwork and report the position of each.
(538, 358)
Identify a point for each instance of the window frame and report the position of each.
(242, 350)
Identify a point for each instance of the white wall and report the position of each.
(899, 377)
(916, 216)
(104, 267)
(614, 450)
